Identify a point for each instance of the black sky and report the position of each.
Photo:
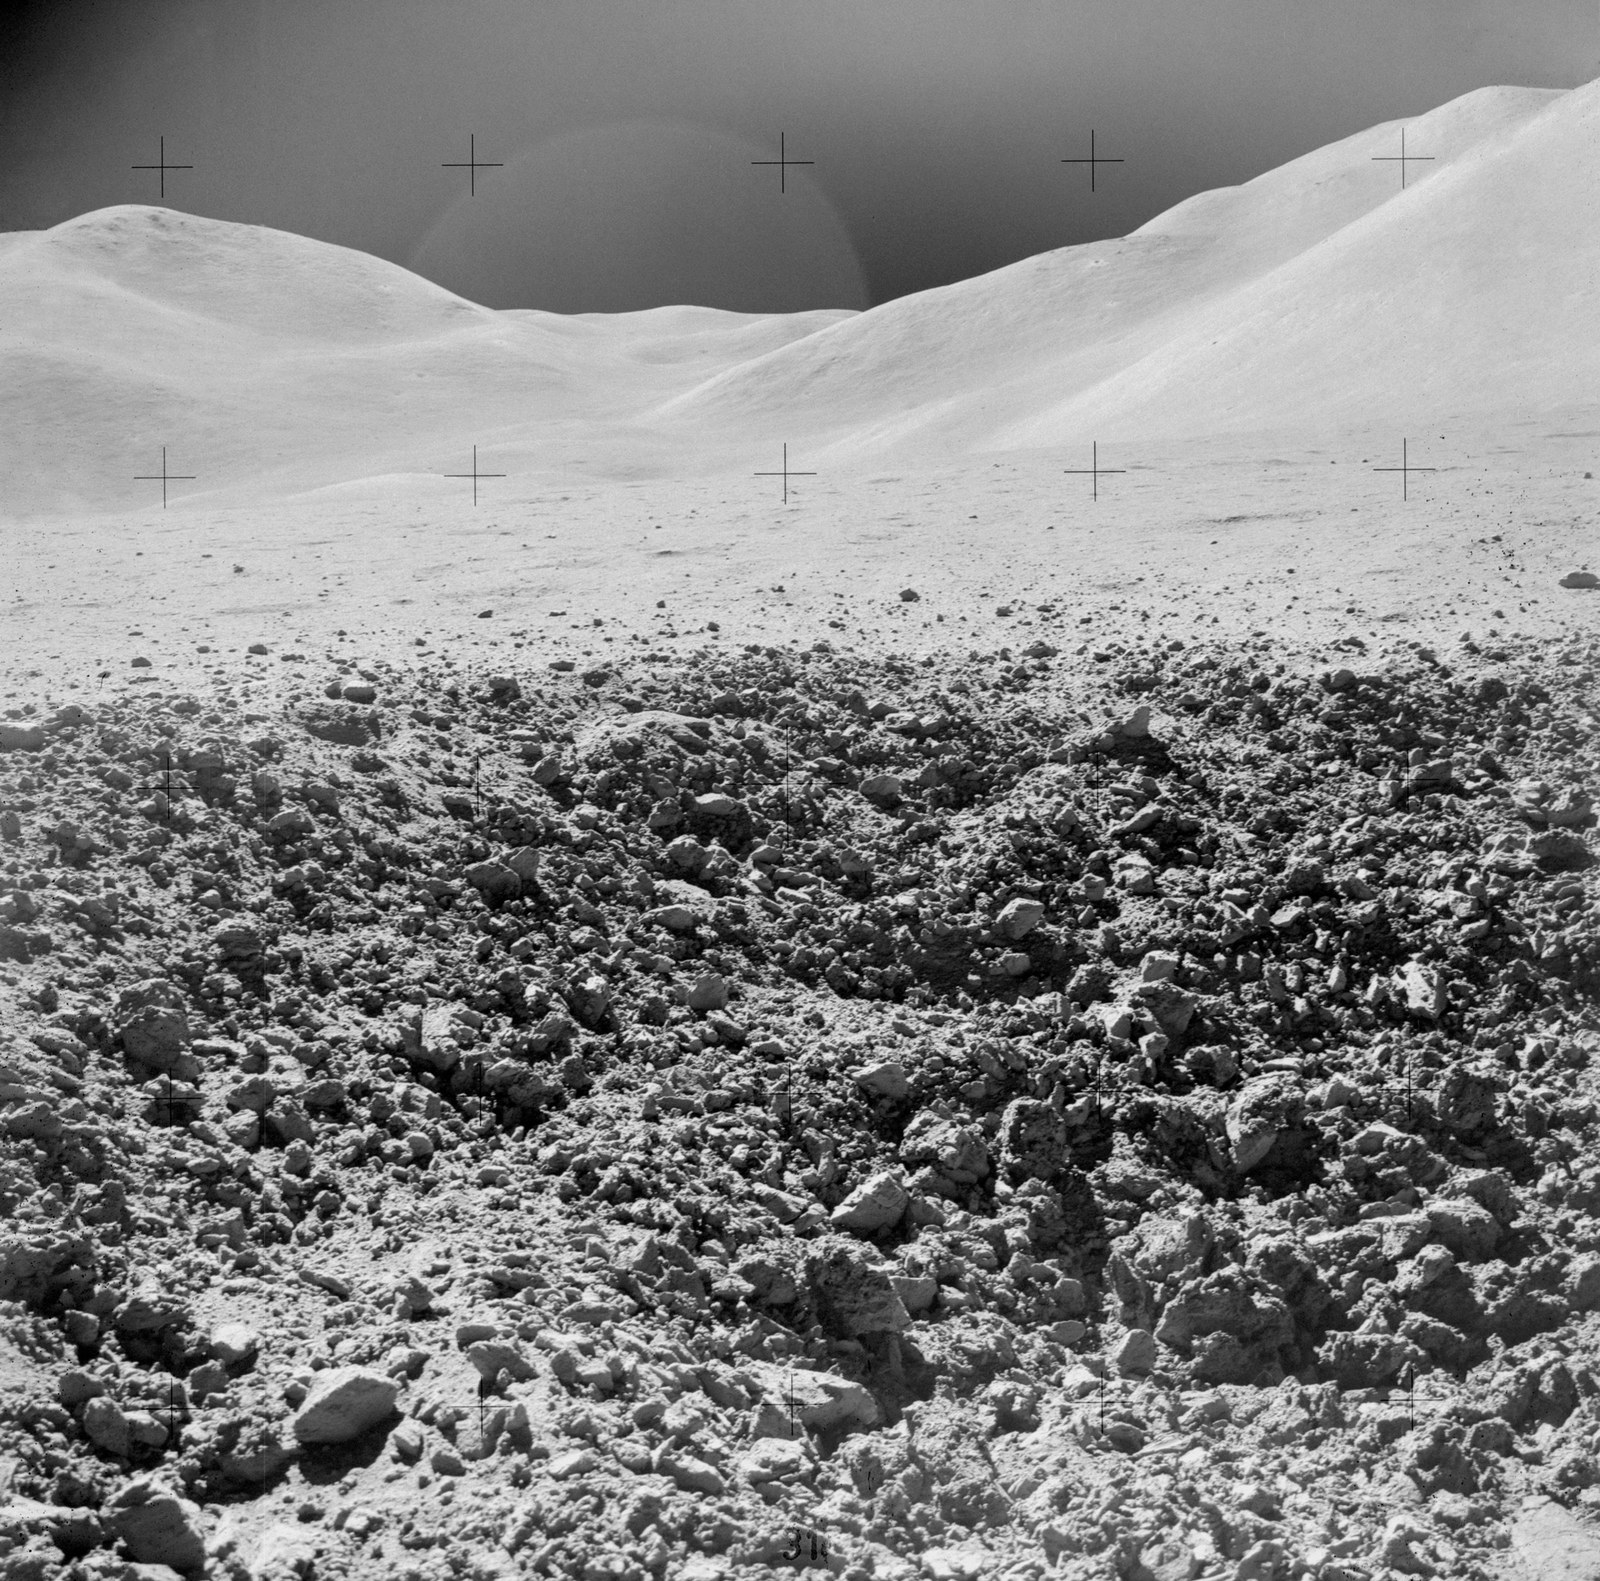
(625, 129)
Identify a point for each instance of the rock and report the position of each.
(151, 1020)
(238, 944)
(429, 1038)
(1134, 726)
(524, 862)
(1018, 918)
(284, 1553)
(1421, 990)
(21, 738)
(821, 1401)
(690, 1473)
(490, 1357)
(687, 853)
(497, 882)
(1583, 1283)
(1135, 1352)
(1580, 579)
(77, 1387)
(1467, 1228)
(1033, 1141)
(770, 1282)
(157, 1525)
(767, 1459)
(233, 1344)
(885, 789)
(37, 1120)
(968, 1563)
(676, 919)
(146, 1431)
(875, 1205)
(572, 1463)
(151, 1307)
(1089, 984)
(1264, 1109)
(710, 992)
(1468, 1101)
(347, 726)
(715, 804)
(909, 595)
(326, 1094)
(1135, 874)
(551, 769)
(1570, 809)
(784, 1206)
(887, 1079)
(1170, 1007)
(1559, 851)
(917, 1292)
(852, 1296)
(344, 1403)
(106, 1426)
(1144, 819)
(957, 1152)
(1553, 1544)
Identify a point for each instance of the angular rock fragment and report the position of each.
(153, 1024)
(820, 1401)
(497, 882)
(852, 1295)
(158, 1526)
(1033, 1141)
(1018, 918)
(957, 1153)
(886, 1079)
(344, 1403)
(875, 1205)
(1421, 990)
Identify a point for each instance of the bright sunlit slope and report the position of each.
(269, 363)
(1473, 293)
(1318, 282)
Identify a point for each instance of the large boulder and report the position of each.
(1033, 1141)
(344, 1403)
(158, 1527)
(954, 1152)
(1466, 1227)
(1228, 1326)
(153, 1025)
(1163, 1002)
(497, 882)
(347, 726)
(853, 1296)
(1018, 918)
(818, 1401)
(152, 1306)
(429, 1037)
(1267, 1108)
(1549, 1540)
(884, 1079)
(105, 1425)
(876, 1204)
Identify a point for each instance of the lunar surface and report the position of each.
(955, 941)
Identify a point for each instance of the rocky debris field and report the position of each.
(1121, 1115)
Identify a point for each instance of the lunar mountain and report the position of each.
(1322, 292)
